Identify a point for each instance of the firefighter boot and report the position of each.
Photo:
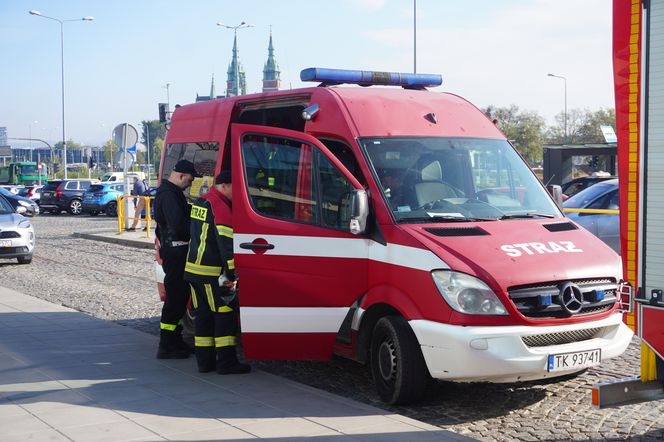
(168, 348)
(179, 342)
(227, 362)
(205, 358)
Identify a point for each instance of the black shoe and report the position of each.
(172, 353)
(238, 368)
(130, 229)
(205, 368)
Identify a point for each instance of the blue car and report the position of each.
(102, 197)
(604, 196)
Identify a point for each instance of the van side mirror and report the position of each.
(359, 211)
(21, 210)
(556, 193)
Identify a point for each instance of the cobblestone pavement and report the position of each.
(116, 283)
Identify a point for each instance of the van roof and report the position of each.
(375, 111)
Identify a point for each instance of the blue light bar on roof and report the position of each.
(370, 78)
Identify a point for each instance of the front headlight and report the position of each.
(24, 224)
(467, 294)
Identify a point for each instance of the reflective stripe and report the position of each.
(200, 269)
(270, 181)
(201, 245)
(194, 301)
(203, 341)
(224, 341)
(231, 264)
(169, 327)
(210, 296)
(292, 319)
(224, 309)
(225, 231)
(358, 248)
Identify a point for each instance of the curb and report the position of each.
(114, 240)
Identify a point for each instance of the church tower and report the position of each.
(271, 72)
(235, 72)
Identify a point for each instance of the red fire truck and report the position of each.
(398, 227)
(638, 58)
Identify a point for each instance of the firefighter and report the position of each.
(210, 270)
(171, 212)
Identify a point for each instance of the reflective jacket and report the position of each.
(211, 245)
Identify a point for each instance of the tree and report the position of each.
(109, 150)
(524, 129)
(583, 126)
(155, 141)
(71, 144)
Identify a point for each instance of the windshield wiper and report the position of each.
(527, 215)
(445, 219)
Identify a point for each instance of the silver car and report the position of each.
(603, 195)
(17, 235)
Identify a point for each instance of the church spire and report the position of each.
(235, 74)
(271, 72)
(213, 95)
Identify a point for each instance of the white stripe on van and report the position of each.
(292, 319)
(360, 248)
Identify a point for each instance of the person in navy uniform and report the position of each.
(171, 212)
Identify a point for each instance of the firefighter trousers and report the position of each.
(177, 289)
(216, 326)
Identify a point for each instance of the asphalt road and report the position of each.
(116, 283)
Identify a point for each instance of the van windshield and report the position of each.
(431, 179)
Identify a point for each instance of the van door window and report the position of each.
(335, 194)
(204, 157)
(279, 177)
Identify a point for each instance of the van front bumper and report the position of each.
(499, 353)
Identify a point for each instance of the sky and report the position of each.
(492, 52)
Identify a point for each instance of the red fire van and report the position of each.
(397, 226)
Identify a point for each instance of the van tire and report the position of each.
(112, 209)
(397, 365)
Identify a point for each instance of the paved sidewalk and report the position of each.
(65, 375)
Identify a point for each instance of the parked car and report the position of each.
(17, 236)
(602, 195)
(12, 188)
(102, 197)
(152, 192)
(576, 185)
(59, 195)
(16, 201)
(31, 192)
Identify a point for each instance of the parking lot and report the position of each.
(116, 283)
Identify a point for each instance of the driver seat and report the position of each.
(431, 187)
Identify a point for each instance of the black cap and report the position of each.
(224, 177)
(185, 166)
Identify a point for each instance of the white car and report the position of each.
(17, 235)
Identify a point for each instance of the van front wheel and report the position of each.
(397, 365)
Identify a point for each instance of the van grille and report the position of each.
(543, 300)
(561, 338)
(457, 231)
(9, 234)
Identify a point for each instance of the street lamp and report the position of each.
(565, 113)
(414, 36)
(235, 57)
(62, 68)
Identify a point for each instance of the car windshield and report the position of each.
(5, 207)
(588, 195)
(435, 179)
(51, 185)
(29, 169)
